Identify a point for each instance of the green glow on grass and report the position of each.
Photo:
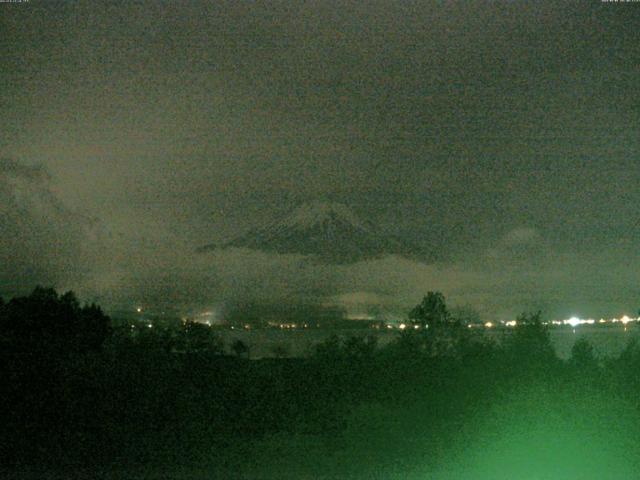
(544, 435)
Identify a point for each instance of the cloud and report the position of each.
(42, 240)
(138, 258)
(520, 236)
(521, 244)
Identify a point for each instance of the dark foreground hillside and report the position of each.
(418, 408)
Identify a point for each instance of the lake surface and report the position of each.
(607, 340)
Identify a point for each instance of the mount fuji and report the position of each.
(329, 231)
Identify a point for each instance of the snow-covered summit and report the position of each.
(310, 214)
(328, 231)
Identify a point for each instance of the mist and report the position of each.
(46, 242)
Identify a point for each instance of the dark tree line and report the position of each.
(96, 398)
(45, 321)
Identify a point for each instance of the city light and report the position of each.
(210, 318)
(576, 321)
(573, 321)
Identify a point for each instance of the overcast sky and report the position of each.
(504, 136)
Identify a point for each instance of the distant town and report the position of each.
(143, 317)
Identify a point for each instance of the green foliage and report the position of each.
(583, 356)
(363, 409)
(353, 348)
(280, 350)
(465, 315)
(438, 333)
(330, 349)
(155, 339)
(198, 337)
(625, 369)
(240, 348)
(360, 348)
(529, 345)
(410, 344)
(631, 353)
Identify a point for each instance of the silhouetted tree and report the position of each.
(438, 332)
(625, 368)
(44, 321)
(157, 339)
(409, 344)
(280, 350)
(358, 348)
(95, 326)
(240, 348)
(465, 315)
(631, 352)
(530, 343)
(329, 349)
(431, 312)
(583, 356)
(197, 337)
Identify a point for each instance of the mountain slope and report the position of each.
(329, 231)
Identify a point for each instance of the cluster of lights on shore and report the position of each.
(572, 322)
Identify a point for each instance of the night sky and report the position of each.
(502, 136)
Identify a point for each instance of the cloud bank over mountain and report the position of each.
(329, 232)
(45, 242)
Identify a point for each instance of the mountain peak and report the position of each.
(328, 231)
(308, 215)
